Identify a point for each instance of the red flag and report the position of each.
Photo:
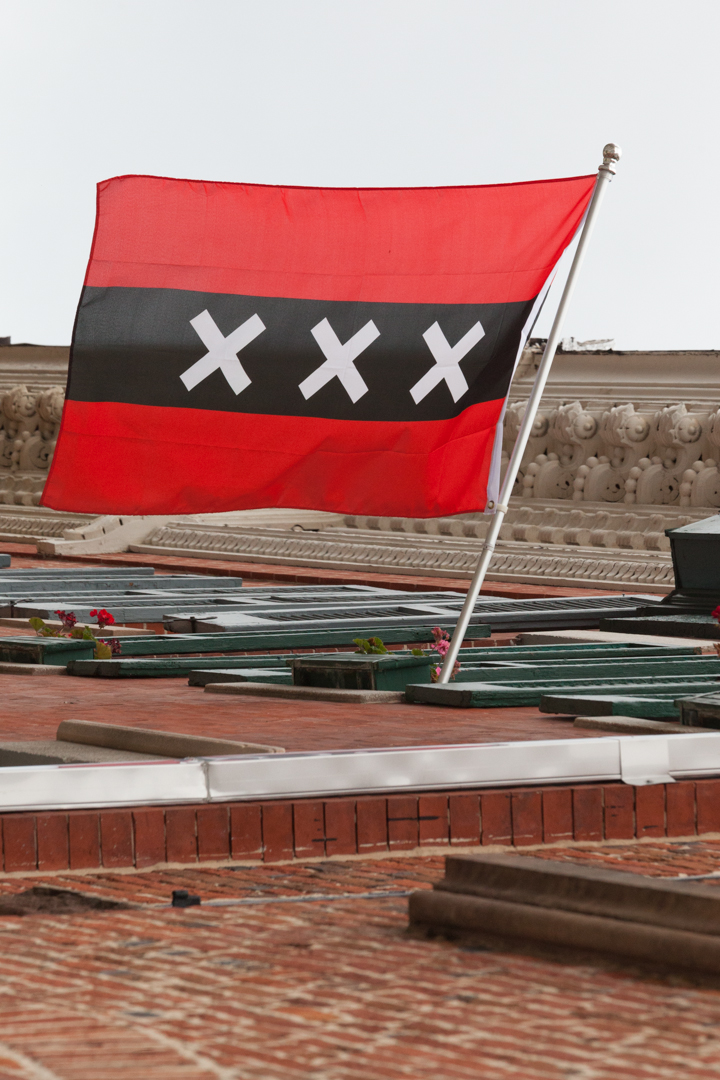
(342, 349)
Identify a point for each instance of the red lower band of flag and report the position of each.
(138, 459)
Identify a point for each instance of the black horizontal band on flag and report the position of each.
(294, 357)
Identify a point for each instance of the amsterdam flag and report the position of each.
(241, 345)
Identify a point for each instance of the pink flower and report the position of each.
(436, 669)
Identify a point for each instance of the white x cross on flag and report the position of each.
(339, 360)
(222, 351)
(447, 362)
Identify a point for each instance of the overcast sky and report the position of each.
(371, 92)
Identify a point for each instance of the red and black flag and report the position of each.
(241, 345)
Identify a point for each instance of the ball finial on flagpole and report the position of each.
(611, 155)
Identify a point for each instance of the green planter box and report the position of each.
(38, 650)
(359, 672)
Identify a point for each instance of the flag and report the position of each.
(341, 349)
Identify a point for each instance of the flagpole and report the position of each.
(611, 156)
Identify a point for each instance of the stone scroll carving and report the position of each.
(663, 457)
(29, 425)
(581, 452)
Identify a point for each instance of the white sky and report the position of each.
(371, 92)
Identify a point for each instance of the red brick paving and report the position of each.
(656, 859)
(332, 990)
(34, 706)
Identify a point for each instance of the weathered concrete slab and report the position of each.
(276, 676)
(107, 631)
(52, 752)
(306, 693)
(609, 704)
(600, 637)
(633, 725)
(158, 743)
(9, 668)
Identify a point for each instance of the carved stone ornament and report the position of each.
(29, 425)
(590, 453)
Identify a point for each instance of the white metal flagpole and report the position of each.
(611, 156)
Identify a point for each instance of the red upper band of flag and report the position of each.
(349, 350)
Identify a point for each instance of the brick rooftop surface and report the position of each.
(332, 989)
(34, 706)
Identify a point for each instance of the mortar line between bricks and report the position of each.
(183, 1049)
(120, 1023)
(35, 1070)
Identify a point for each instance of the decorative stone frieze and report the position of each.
(595, 525)
(537, 546)
(29, 524)
(625, 446)
(29, 425)
(584, 453)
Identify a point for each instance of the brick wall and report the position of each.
(306, 828)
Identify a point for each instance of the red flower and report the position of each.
(104, 617)
(716, 614)
(67, 618)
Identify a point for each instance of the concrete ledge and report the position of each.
(52, 752)
(8, 668)
(606, 637)
(501, 918)
(55, 624)
(578, 704)
(163, 744)
(562, 904)
(307, 693)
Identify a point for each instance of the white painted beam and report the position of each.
(634, 759)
